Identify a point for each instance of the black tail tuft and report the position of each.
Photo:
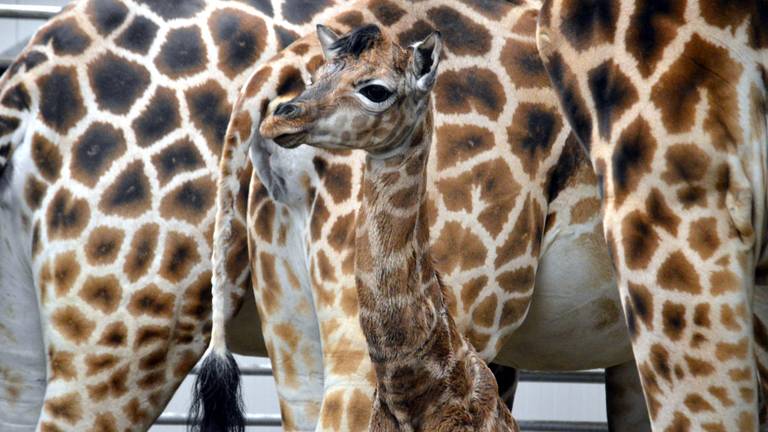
(217, 394)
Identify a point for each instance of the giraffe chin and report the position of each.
(290, 140)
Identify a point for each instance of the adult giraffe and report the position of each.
(669, 98)
(502, 166)
(111, 123)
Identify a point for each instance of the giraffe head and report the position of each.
(370, 94)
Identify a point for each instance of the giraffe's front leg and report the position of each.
(289, 323)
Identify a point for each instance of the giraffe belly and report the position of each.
(575, 320)
(22, 359)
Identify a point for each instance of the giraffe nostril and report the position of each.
(287, 110)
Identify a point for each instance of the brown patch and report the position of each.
(659, 358)
(152, 301)
(532, 134)
(153, 360)
(34, 191)
(103, 245)
(61, 364)
(466, 36)
(701, 315)
(652, 27)
(67, 216)
(725, 351)
(586, 26)
(65, 272)
(181, 156)
(197, 299)
(701, 66)
(114, 335)
(239, 37)
(104, 422)
(659, 212)
(514, 310)
(330, 416)
(319, 217)
(673, 318)
(639, 240)
(729, 318)
(686, 164)
(526, 232)
(151, 380)
(72, 324)
(698, 367)
(632, 158)
(519, 280)
(102, 293)
(523, 64)
(97, 363)
(180, 255)
(191, 201)
(724, 281)
(150, 334)
(209, 110)
(338, 182)
(386, 12)
(358, 410)
(65, 408)
(703, 237)
(485, 313)
(455, 237)
(680, 423)
(471, 290)
(721, 393)
(342, 234)
(473, 88)
(584, 210)
(141, 252)
(678, 274)
(134, 412)
(47, 157)
(183, 53)
(130, 194)
(61, 104)
(95, 151)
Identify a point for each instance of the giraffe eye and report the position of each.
(375, 93)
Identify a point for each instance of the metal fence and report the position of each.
(45, 12)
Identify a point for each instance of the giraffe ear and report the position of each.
(327, 38)
(426, 57)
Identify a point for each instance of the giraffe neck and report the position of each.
(398, 289)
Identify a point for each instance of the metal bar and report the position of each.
(176, 419)
(27, 11)
(590, 377)
(256, 370)
(562, 426)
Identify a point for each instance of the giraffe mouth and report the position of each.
(290, 140)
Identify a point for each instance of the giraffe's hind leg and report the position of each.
(624, 399)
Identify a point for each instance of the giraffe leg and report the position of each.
(624, 399)
(289, 323)
(22, 358)
(677, 164)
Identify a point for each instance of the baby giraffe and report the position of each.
(373, 95)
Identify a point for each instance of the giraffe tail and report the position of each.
(217, 394)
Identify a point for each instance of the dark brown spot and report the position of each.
(130, 194)
(67, 215)
(678, 274)
(70, 322)
(103, 245)
(95, 151)
(47, 157)
(151, 301)
(466, 36)
(141, 252)
(461, 91)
